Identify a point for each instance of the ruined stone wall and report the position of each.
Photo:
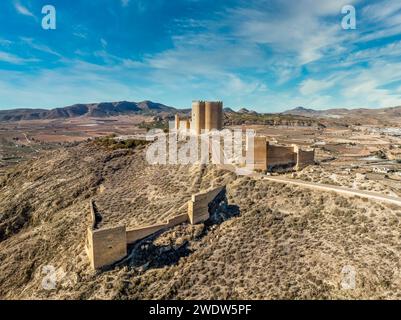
(280, 155)
(106, 246)
(259, 153)
(198, 206)
(143, 232)
(267, 156)
(92, 215)
(305, 158)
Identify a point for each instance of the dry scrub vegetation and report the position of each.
(270, 241)
(351, 179)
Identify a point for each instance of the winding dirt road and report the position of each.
(342, 190)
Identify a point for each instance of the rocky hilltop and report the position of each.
(103, 109)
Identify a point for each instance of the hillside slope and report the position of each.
(271, 241)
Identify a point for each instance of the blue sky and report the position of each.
(268, 55)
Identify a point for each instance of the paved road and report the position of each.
(342, 190)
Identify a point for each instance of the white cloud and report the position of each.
(13, 59)
(311, 86)
(40, 47)
(22, 9)
(103, 42)
(259, 61)
(380, 20)
(296, 27)
(381, 11)
(5, 43)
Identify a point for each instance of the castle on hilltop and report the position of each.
(207, 116)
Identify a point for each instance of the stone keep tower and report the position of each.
(207, 115)
(213, 115)
(198, 116)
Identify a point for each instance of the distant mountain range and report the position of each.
(361, 115)
(103, 109)
(301, 111)
(106, 109)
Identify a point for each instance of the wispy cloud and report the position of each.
(103, 42)
(264, 54)
(21, 9)
(14, 59)
(298, 28)
(40, 47)
(5, 43)
(125, 3)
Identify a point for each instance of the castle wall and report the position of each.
(280, 155)
(198, 116)
(174, 221)
(266, 156)
(106, 246)
(213, 115)
(177, 122)
(198, 206)
(207, 116)
(109, 245)
(143, 232)
(259, 153)
(92, 214)
(305, 158)
(219, 116)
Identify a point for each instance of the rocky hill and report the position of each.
(361, 115)
(270, 242)
(245, 117)
(103, 109)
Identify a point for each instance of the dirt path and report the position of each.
(342, 190)
(27, 139)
